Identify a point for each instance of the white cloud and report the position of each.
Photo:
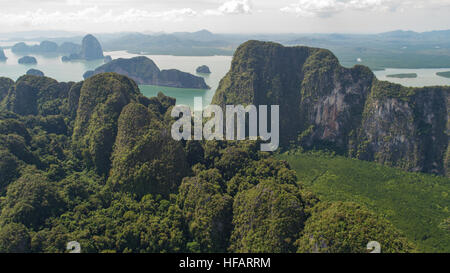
(91, 15)
(327, 8)
(232, 7)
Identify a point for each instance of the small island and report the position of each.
(35, 72)
(203, 70)
(2, 55)
(444, 74)
(403, 76)
(28, 60)
(145, 72)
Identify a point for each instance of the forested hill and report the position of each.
(326, 106)
(94, 162)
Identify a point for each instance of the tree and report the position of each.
(14, 238)
(344, 227)
(267, 218)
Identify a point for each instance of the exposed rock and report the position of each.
(35, 72)
(326, 106)
(203, 70)
(144, 71)
(27, 60)
(65, 59)
(406, 129)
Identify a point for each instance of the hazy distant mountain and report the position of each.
(202, 43)
(395, 49)
(46, 47)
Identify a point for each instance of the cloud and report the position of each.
(136, 15)
(90, 15)
(232, 7)
(328, 8)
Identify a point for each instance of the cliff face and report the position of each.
(405, 127)
(326, 106)
(144, 71)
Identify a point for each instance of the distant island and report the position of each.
(403, 76)
(2, 55)
(444, 74)
(35, 72)
(144, 71)
(203, 70)
(27, 60)
(90, 50)
(46, 47)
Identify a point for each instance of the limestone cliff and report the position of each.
(326, 106)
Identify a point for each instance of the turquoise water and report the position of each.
(219, 66)
(425, 77)
(53, 67)
(50, 64)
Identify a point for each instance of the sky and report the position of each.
(225, 16)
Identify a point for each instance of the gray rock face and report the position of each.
(35, 72)
(203, 70)
(91, 48)
(2, 55)
(144, 71)
(407, 131)
(27, 60)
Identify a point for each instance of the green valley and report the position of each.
(417, 204)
